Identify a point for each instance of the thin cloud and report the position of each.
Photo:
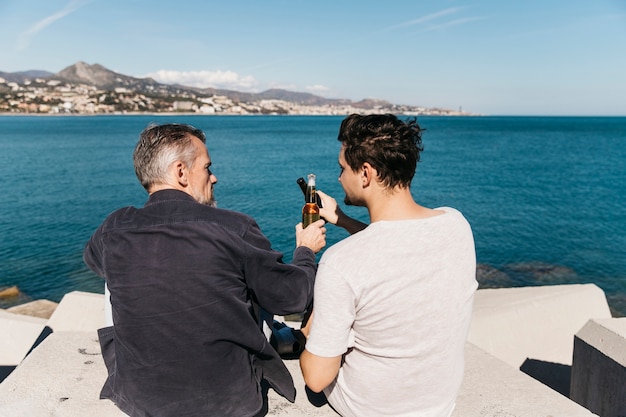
(25, 38)
(435, 21)
(452, 23)
(204, 79)
(425, 19)
(317, 88)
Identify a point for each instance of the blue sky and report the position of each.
(533, 57)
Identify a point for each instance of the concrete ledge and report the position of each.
(63, 377)
(491, 388)
(78, 311)
(37, 308)
(514, 324)
(599, 369)
(19, 333)
(64, 374)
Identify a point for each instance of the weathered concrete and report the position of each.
(78, 311)
(599, 369)
(18, 333)
(63, 377)
(514, 324)
(37, 308)
(491, 388)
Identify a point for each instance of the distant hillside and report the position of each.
(22, 76)
(93, 89)
(103, 78)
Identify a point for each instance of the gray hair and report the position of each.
(161, 145)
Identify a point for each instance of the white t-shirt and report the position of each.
(399, 295)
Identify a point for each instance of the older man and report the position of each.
(186, 281)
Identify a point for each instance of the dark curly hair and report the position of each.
(388, 144)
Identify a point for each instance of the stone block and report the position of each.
(515, 324)
(61, 377)
(78, 311)
(19, 333)
(492, 388)
(599, 370)
(37, 308)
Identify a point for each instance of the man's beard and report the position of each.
(211, 202)
(201, 198)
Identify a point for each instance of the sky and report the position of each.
(492, 57)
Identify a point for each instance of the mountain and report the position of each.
(22, 76)
(112, 92)
(103, 78)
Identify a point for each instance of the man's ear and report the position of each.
(180, 171)
(367, 174)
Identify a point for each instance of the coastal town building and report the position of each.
(52, 96)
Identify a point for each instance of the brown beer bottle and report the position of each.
(310, 211)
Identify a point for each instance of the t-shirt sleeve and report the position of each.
(334, 313)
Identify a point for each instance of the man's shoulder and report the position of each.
(182, 212)
(229, 217)
(120, 213)
(345, 247)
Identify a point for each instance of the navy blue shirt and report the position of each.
(183, 279)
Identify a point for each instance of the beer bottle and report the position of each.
(310, 211)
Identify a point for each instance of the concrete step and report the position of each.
(37, 308)
(78, 311)
(18, 333)
(64, 374)
(539, 323)
(63, 377)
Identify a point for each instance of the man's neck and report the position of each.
(159, 187)
(396, 205)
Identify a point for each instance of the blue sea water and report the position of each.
(545, 196)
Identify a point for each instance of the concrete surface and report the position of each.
(37, 308)
(491, 388)
(599, 369)
(78, 311)
(18, 333)
(515, 324)
(63, 376)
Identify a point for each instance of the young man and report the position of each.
(187, 281)
(393, 301)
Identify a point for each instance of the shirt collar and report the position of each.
(168, 195)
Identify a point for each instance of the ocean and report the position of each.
(545, 196)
